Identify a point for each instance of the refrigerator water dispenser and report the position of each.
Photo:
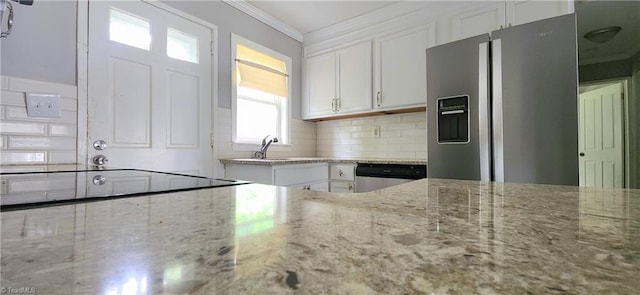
(453, 119)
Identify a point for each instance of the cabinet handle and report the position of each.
(350, 187)
(340, 172)
(338, 104)
(333, 105)
(379, 98)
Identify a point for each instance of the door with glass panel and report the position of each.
(149, 89)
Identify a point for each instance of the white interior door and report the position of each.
(149, 88)
(601, 137)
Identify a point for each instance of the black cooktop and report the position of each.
(24, 190)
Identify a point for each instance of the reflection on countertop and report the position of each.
(427, 236)
(308, 160)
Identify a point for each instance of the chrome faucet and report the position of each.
(262, 153)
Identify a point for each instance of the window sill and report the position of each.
(252, 147)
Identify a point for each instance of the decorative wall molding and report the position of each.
(265, 18)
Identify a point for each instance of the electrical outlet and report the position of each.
(43, 105)
(376, 131)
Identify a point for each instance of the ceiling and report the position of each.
(308, 16)
(593, 15)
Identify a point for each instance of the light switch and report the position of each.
(43, 105)
(376, 131)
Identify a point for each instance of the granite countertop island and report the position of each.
(429, 236)
(308, 160)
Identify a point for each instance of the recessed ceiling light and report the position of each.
(602, 35)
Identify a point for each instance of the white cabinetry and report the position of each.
(521, 12)
(339, 82)
(479, 21)
(312, 176)
(400, 68)
(382, 68)
(504, 14)
(342, 178)
(321, 85)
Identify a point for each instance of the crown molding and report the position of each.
(265, 18)
(428, 10)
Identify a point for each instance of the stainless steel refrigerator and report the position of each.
(504, 106)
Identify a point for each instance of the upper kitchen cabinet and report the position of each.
(478, 21)
(338, 82)
(521, 12)
(400, 68)
(504, 14)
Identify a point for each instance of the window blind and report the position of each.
(261, 71)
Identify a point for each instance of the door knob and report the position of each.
(581, 154)
(100, 160)
(100, 145)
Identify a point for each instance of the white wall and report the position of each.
(25, 140)
(402, 136)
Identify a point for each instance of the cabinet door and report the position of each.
(292, 175)
(321, 85)
(320, 186)
(354, 76)
(479, 21)
(400, 70)
(343, 187)
(521, 12)
(342, 172)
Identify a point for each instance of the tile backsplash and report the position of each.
(401, 136)
(30, 140)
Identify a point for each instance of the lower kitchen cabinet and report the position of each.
(342, 177)
(306, 176)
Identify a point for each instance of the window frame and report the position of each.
(284, 143)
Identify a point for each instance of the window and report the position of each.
(262, 93)
(182, 46)
(129, 29)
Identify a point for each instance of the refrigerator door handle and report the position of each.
(496, 89)
(484, 112)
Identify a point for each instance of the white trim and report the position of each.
(17, 84)
(181, 13)
(265, 18)
(82, 155)
(252, 147)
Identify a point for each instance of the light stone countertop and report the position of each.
(429, 236)
(294, 160)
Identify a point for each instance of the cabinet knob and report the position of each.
(350, 187)
(340, 172)
(581, 154)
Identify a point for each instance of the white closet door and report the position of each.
(600, 137)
